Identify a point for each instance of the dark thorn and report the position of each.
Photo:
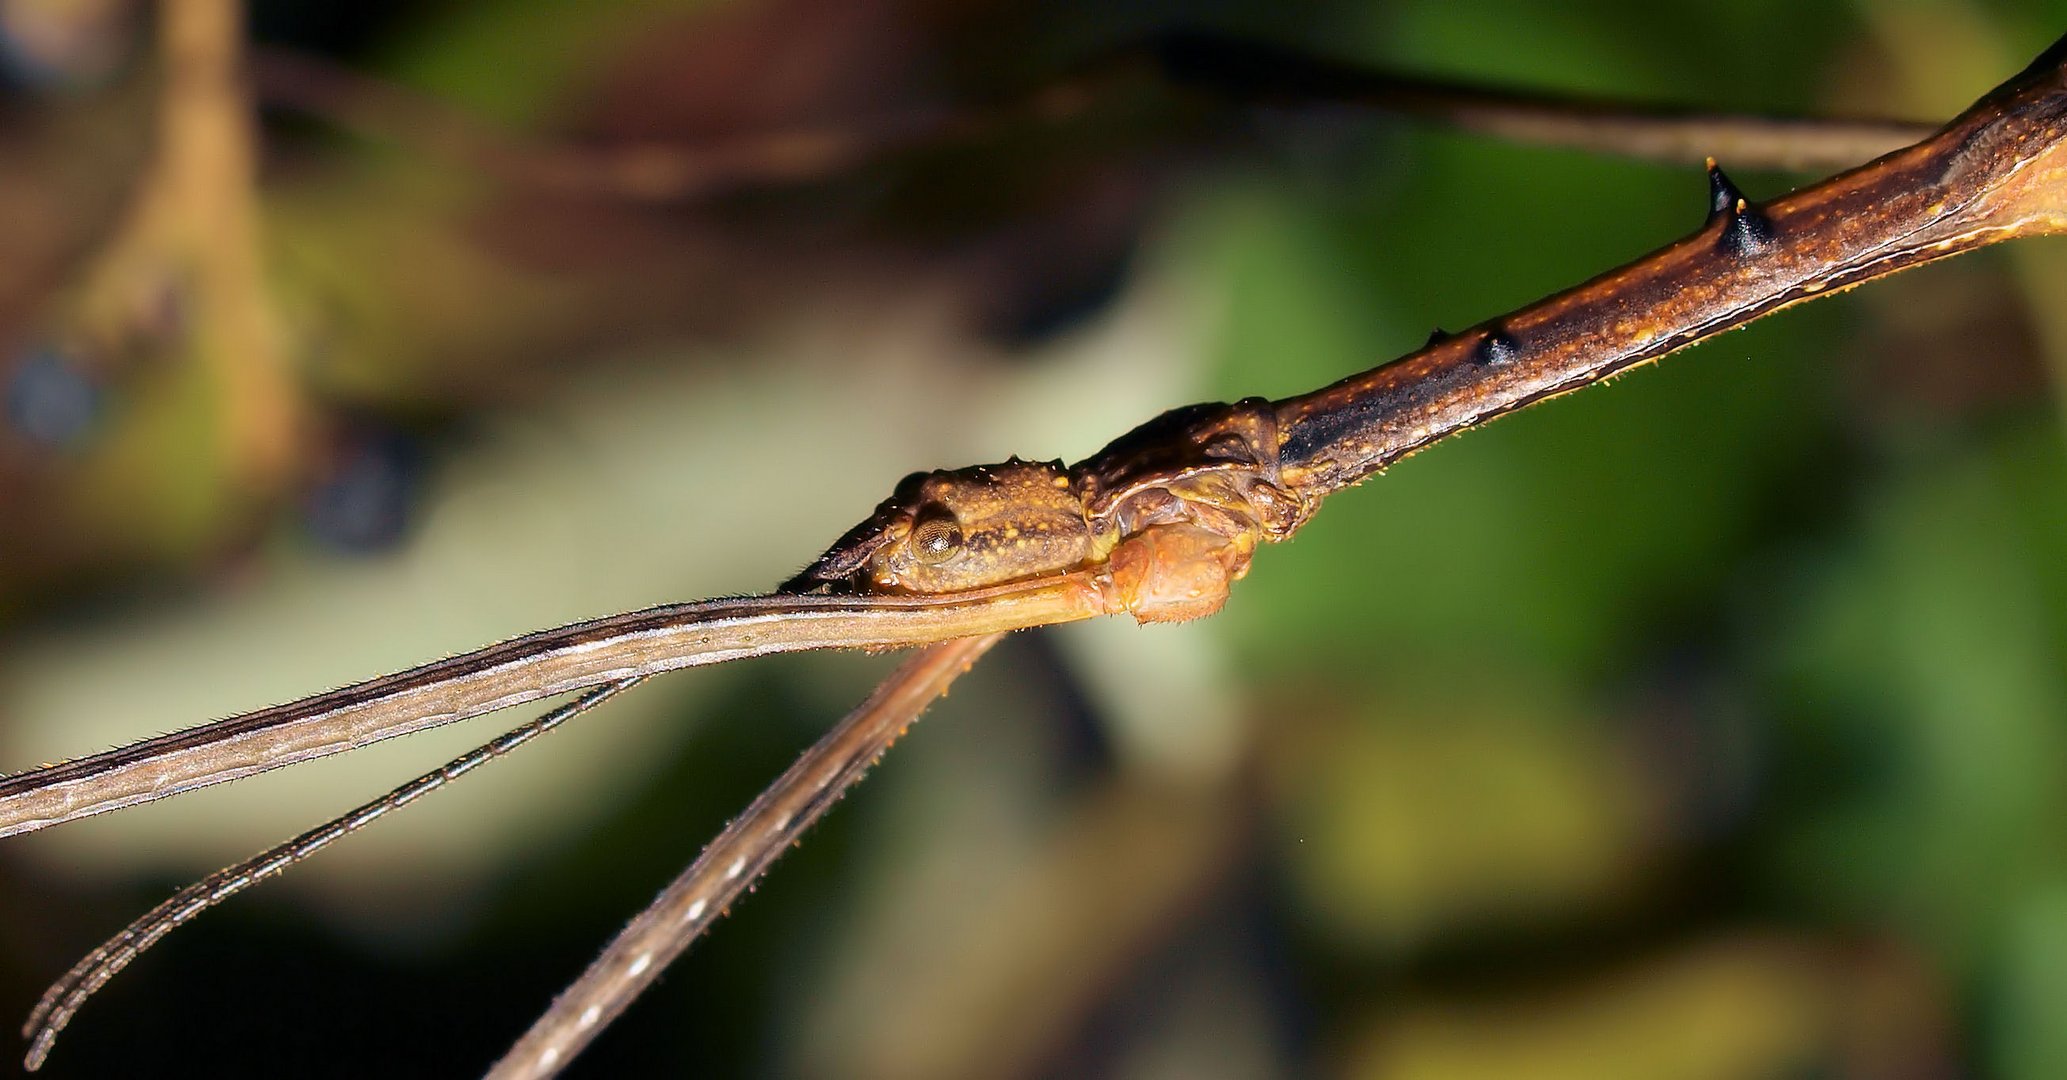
(1747, 230)
(1722, 192)
(1437, 336)
(1498, 347)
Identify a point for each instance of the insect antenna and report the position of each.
(65, 997)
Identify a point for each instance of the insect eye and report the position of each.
(936, 538)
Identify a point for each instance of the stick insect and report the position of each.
(1158, 526)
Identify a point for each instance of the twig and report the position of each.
(1256, 73)
(1998, 172)
(1185, 497)
(1226, 72)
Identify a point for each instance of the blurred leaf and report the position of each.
(512, 60)
(1736, 1008)
(2029, 1040)
(1928, 668)
(1439, 816)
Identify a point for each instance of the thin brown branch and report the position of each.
(1198, 69)
(650, 172)
(1995, 173)
(1159, 524)
(1257, 73)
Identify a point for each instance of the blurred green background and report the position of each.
(1710, 725)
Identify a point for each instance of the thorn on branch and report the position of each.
(1498, 347)
(1722, 192)
(1747, 230)
(1745, 227)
